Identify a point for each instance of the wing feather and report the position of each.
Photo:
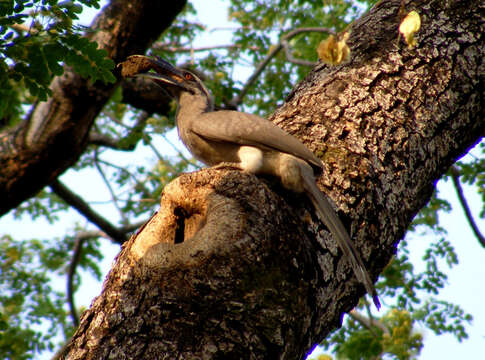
(252, 130)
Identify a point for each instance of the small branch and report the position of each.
(368, 323)
(175, 49)
(132, 227)
(115, 119)
(141, 120)
(294, 60)
(145, 95)
(107, 141)
(84, 209)
(259, 69)
(108, 185)
(76, 255)
(367, 308)
(455, 176)
(180, 154)
(228, 28)
(21, 28)
(161, 159)
(96, 138)
(120, 168)
(235, 102)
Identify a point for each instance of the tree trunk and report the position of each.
(235, 267)
(54, 136)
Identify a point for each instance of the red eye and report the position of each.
(188, 76)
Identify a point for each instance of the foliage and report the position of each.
(473, 173)
(36, 38)
(32, 313)
(399, 341)
(405, 288)
(133, 186)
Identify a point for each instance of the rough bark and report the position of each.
(235, 267)
(55, 134)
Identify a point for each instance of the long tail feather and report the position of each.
(333, 223)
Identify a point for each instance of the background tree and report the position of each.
(280, 45)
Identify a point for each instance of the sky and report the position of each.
(465, 280)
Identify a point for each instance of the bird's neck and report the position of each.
(190, 106)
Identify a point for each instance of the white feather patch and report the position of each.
(251, 159)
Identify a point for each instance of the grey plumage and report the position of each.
(251, 144)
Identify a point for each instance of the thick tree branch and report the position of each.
(56, 132)
(455, 176)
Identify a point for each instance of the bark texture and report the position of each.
(55, 134)
(235, 267)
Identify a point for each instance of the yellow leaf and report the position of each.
(234, 15)
(409, 26)
(13, 254)
(333, 51)
(271, 48)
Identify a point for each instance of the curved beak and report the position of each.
(164, 73)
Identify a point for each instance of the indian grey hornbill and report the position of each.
(246, 142)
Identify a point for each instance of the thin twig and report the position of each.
(108, 185)
(161, 159)
(175, 49)
(96, 138)
(368, 323)
(294, 60)
(132, 227)
(84, 209)
(228, 28)
(22, 28)
(76, 255)
(120, 168)
(155, 150)
(109, 142)
(116, 120)
(236, 101)
(367, 307)
(455, 176)
(141, 120)
(179, 153)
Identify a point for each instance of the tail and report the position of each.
(333, 223)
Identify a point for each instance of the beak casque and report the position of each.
(164, 73)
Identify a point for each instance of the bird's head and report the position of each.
(176, 81)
